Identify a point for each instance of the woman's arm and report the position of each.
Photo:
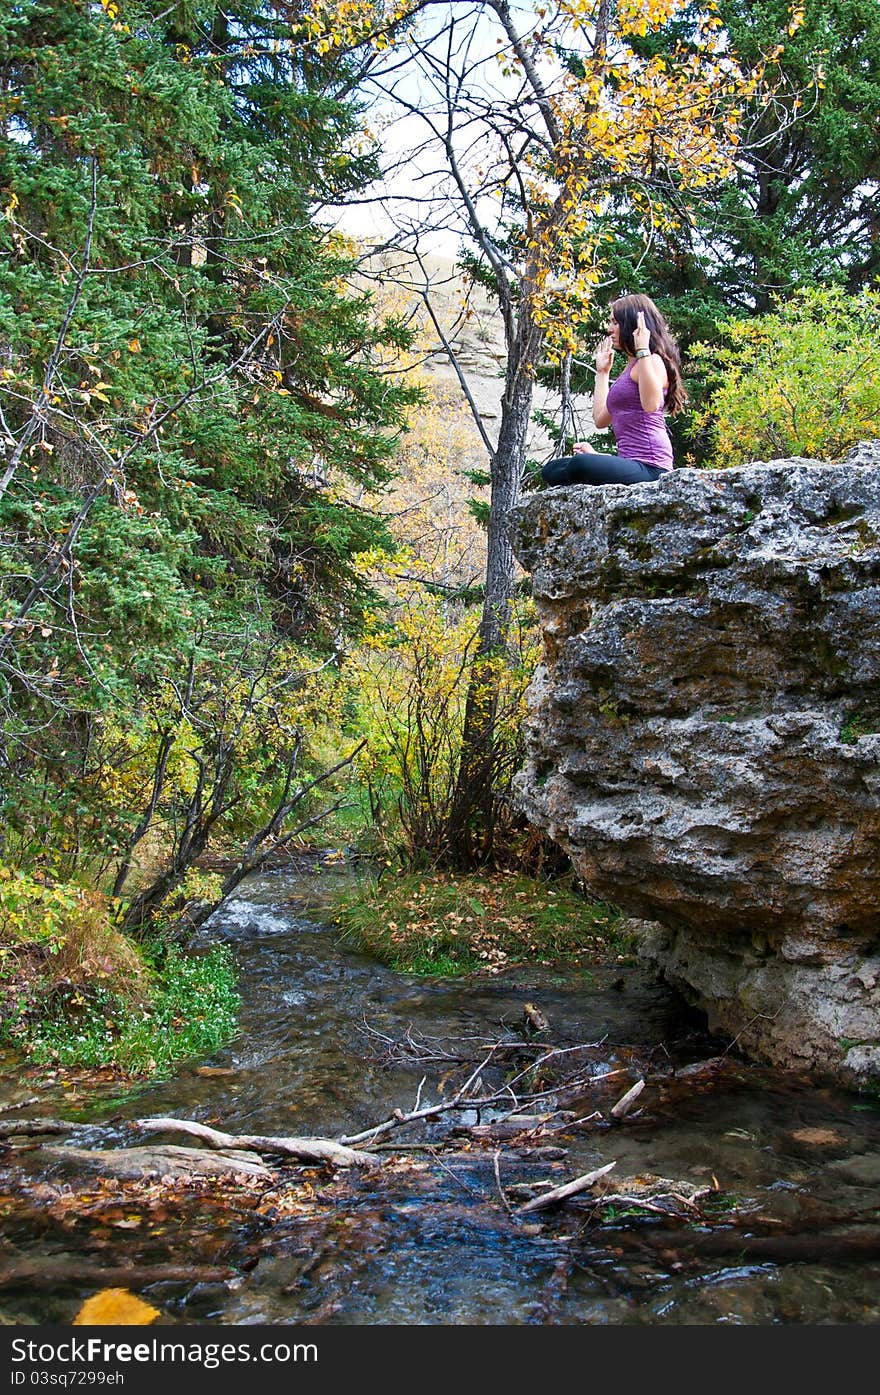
(648, 372)
(652, 379)
(601, 414)
(604, 360)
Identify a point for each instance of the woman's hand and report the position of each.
(605, 355)
(641, 333)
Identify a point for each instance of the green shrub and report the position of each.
(191, 1011)
(801, 381)
(76, 992)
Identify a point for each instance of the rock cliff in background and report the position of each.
(704, 736)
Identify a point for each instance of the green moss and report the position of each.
(642, 523)
(826, 656)
(867, 536)
(612, 714)
(745, 714)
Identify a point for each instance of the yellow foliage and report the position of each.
(409, 683)
(70, 928)
(115, 1307)
(427, 504)
(797, 381)
(619, 116)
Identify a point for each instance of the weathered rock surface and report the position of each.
(704, 736)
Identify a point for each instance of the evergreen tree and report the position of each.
(194, 407)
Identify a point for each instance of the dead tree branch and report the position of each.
(324, 1150)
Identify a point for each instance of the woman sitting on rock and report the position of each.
(634, 405)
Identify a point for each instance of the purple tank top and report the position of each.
(640, 435)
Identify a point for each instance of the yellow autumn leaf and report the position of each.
(115, 1307)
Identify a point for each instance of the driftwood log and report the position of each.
(558, 1194)
(48, 1273)
(25, 1128)
(133, 1162)
(683, 1245)
(322, 1150)
(164, 1160)
(626, 1102)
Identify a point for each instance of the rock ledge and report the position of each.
(704, 736)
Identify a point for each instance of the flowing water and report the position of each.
(331, 1043)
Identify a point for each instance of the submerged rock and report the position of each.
(704, 736)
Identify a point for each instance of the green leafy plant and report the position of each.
(190, 1011)
(799, 381)
(855, 726)
(76, 992)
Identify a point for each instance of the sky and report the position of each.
(407, 91)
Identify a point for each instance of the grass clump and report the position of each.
(76, 992)
(445, 926)
(857, 726)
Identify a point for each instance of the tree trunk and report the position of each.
(472, 818)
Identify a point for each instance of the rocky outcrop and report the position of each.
(704, 736)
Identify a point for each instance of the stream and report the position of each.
(331, 1043)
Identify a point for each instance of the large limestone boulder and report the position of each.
(704, 735)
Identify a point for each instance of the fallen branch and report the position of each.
(168, 1161)
(49, 1273)
(515, 1125)
(455, 1177)
(305, 1149)
(501, 1192)
(19, 1104)
(626, 1102)
(22, 1128)
(684, 1245)
(464, 1099)
(460, 1100)
(558, 1194)
(411, 1048)
(638, 1202)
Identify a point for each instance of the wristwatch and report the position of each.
(643, 353)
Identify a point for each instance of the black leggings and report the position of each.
(589, 468)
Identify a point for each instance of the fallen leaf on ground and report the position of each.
(115, 1307)
(816, 1136)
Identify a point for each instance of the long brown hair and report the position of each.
(625, 311)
